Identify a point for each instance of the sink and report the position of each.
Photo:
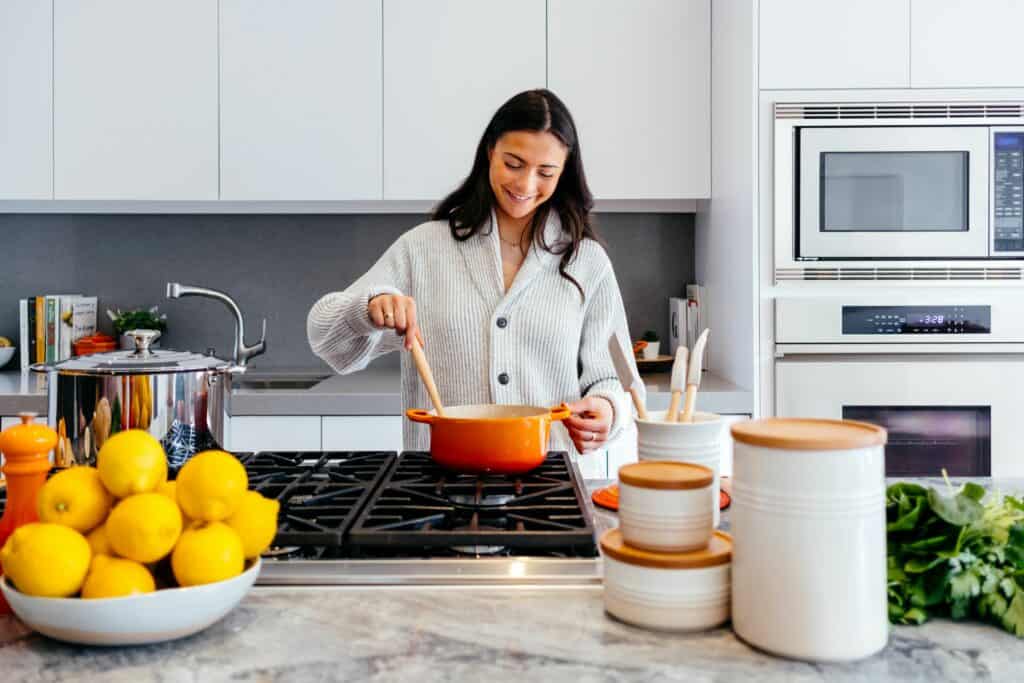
(278, 383)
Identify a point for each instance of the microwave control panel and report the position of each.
(917, 319)
(1008, 191)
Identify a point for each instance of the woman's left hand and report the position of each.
(589, 423)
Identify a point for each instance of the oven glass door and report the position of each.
(898, 192)
(924, 440)
(954, 412)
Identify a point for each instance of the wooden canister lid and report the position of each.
(657, 474)
(809, 434)
(718, 551)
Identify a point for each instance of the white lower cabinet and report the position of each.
(361, 433)
(274, 433)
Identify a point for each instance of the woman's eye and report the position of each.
(512, 166)
(546, 175)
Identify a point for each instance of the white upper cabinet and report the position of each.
(26, 144)
(300, 105)
(135, 115)
(448, 66)
(972, 44)
(835, 43)
(636, 77)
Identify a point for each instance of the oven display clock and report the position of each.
(917, 320)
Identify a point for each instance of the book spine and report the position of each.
(23, 333)
(40, 329)
(51, 329)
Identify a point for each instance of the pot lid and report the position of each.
(809, 434)
(718, 551)
(657, 474)
(140, 361)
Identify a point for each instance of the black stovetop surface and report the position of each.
(341, 504)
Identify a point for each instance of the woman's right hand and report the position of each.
(397, 312)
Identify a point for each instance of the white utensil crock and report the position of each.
(808, 519)
(699, 442)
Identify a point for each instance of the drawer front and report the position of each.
(362, 433)
(275, 433)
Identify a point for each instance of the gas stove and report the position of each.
(383, 518)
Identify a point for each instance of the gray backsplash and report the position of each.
(275, 266)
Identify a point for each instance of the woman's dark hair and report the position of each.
(468, 208)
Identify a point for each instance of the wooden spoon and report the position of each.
(693, 378)
(426, 375)
(678, 383)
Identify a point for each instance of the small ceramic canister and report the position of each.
(808, 514)
(665, 506)
(667, 591)
(698, 442)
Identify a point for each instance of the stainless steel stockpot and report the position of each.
(179, 397)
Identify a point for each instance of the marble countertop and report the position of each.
(487, 634)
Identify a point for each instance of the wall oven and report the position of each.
(943, 371)
(874, 186)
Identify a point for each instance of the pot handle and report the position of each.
(560, 413)
(420, 415)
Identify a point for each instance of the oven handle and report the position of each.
(783, 350)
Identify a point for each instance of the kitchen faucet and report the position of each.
(242, 352)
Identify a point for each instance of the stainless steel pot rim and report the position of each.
(116, 363)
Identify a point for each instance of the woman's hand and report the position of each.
(589, 423)
(397, 312)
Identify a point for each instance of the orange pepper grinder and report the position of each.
(27, 449)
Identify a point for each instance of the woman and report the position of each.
(507, 288)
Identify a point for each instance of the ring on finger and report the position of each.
(387, 316)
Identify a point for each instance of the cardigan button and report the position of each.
(503, 378)
(502, 322)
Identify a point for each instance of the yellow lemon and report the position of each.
(74, 498)
(99, 542)
(48, 560)
(207, 553)
(255, 521)
(111, 577)
(211, 485)
(131, 462)
(144, 527)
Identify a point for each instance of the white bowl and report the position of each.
(135, 619)
(6, 354)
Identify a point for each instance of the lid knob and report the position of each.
(142, 339)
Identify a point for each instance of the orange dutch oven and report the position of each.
(490, 438)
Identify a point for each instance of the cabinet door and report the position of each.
(275, 433)
(966, 44)
(448, 66)
(136, 83)
(300, 100)
(637, 78)
(835, 44)
(26, 142)
(362, 433)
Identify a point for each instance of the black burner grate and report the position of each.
(320, 492)
(423, 507)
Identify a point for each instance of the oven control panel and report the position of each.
(1008, 191)
(917, 319)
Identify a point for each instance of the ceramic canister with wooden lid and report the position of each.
(665, 506)
(667, 591)
(808, 521)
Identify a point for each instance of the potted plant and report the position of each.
(138, 319)
(653, 345)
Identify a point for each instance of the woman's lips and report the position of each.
(517, 198)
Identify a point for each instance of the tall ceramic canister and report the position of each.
(698, 442)
(808, 523)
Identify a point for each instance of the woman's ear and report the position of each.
(490, 153)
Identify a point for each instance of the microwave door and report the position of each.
(893, 193)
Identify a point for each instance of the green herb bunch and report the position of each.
(140, 319)
(955, 555)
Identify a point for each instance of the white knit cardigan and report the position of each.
(538, 344)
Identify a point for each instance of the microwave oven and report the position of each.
(877, 186)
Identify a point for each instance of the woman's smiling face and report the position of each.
(524, 170)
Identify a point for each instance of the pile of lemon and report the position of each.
(108, 531)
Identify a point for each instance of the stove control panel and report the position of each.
(1008, 191)
(917, 320)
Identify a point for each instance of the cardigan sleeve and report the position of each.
(338, 326)
(604, 315)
